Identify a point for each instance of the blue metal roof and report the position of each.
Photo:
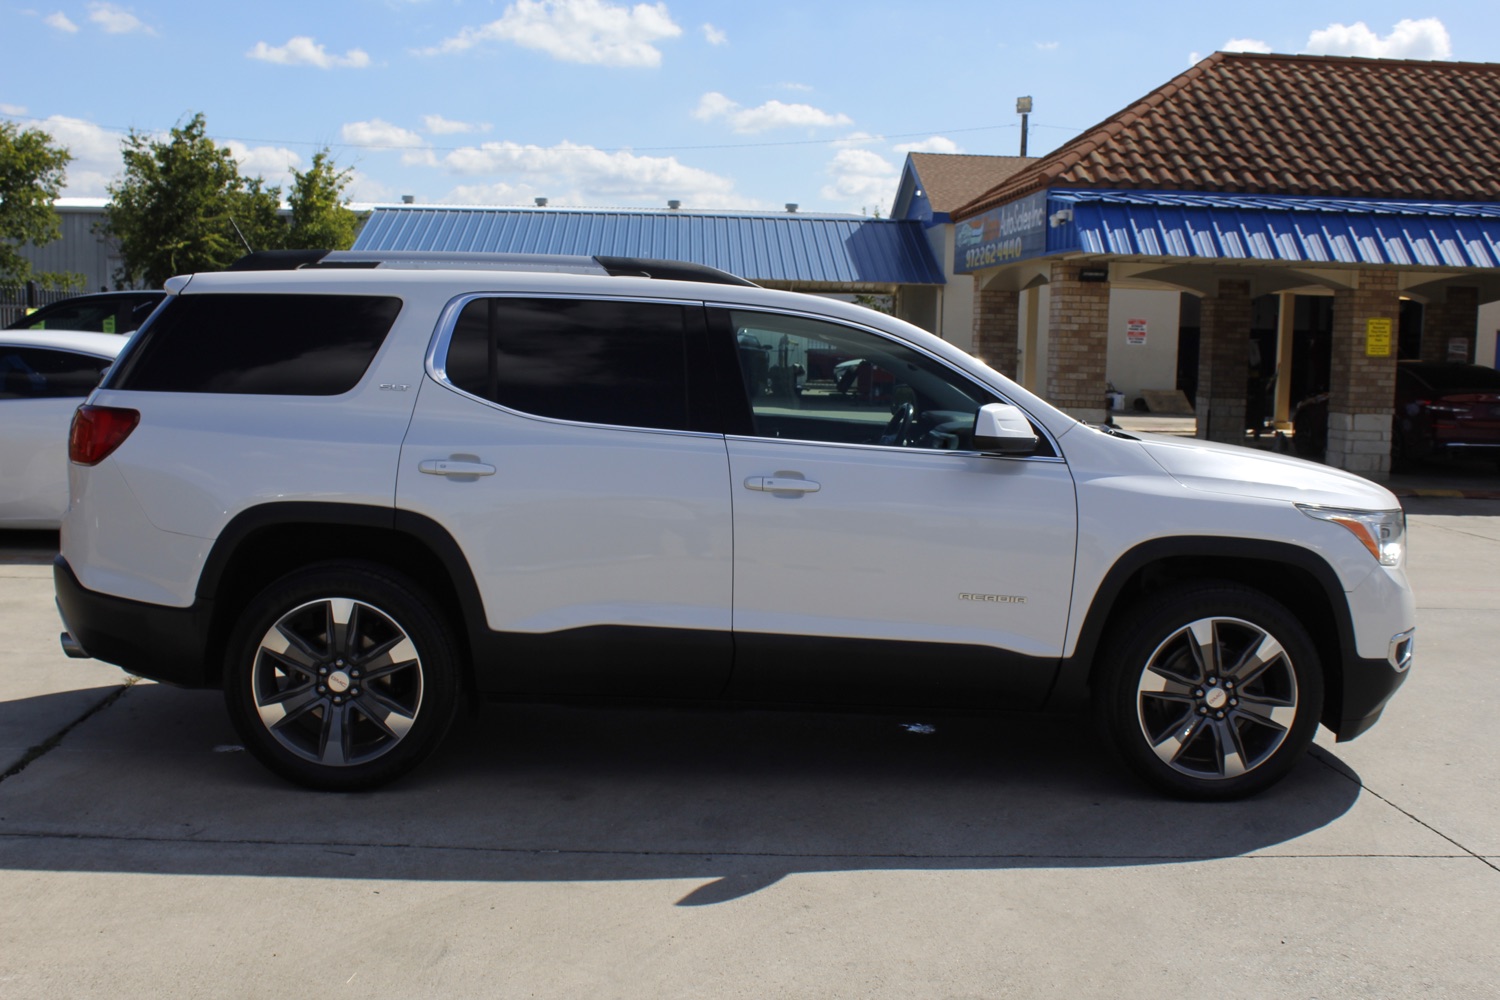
(1276, 228)
(789, 248)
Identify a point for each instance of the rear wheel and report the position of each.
(1212, 691)
(341, 676)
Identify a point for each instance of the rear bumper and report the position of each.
(159, 643)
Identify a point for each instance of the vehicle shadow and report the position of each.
(27, 548)
(735, 799)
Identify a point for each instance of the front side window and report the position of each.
(273, 344)
(812, 380)
(39, 373)
(594, 361)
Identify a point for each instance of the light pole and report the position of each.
(1023, 108)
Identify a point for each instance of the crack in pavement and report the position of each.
(51, 743)
(1333, 764)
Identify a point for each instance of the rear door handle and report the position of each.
(450, 467)
(781, 484)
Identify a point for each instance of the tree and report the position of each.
(31, 178)
(320, 219)
(176, 208)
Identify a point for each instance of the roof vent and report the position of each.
(674, 204)
(408, 199)
(791, 206)
(541, 203)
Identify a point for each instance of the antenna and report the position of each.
(248, 247)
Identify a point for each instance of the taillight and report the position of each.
(97, 431)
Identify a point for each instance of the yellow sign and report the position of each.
(1377, 338)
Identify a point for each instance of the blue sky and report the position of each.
(596, 103)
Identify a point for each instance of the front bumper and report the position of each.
(1369, 684)
(152, 641)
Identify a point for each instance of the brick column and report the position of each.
(1456, 316)
(1362, 387)
(1224, 363)
(1077, 342)
(997, 315)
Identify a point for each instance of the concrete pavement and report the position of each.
(571, 852)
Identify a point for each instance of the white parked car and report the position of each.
(357, 489)
(44, 375)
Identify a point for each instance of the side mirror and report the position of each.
(1003, 429)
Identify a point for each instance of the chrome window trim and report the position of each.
(448, 320)
(1056, 457)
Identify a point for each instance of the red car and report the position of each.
(1447, 409)
(1441, 408)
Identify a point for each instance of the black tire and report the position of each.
(341, 705)
(1179, 697)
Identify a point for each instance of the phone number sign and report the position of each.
(1002, 235)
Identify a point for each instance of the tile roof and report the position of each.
(954, 179)
(1298, 125)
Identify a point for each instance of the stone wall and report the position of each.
(1077, 343)
(1454, 317)
(1363, 386)
(1224, 363)
(996, 318)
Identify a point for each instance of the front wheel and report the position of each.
(1210, 691)
(341, 677)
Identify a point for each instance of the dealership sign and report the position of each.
(1002, 235)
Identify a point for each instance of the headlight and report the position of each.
(1383, 532)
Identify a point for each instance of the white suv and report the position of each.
(353, 489)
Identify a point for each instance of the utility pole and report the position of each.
(1023, 108)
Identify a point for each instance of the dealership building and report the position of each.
(1314, 218)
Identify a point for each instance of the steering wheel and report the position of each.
(898, 431)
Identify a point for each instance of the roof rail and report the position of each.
(669, 270)
(636, 267)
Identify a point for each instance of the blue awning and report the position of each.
(786, 248)
(1275, 228)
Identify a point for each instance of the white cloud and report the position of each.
(1047, 46)
(363, 187)
(12, 109)
(117, 20)
(379, 134)
(772, 114)
(715, 36)
(1194, 58)
(303, 51)
(581, 31)
(96, 155)
(438, 125)
(862, 181)
(935, 144)
(60, 21)
(1411, 39)
(569, 172)
(794, 86)
(273, 164)
(1245, 45)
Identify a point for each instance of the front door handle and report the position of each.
(781, 484)
(452, 467)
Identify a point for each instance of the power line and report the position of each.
(584, 148)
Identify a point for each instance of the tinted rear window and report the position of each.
(39, 373)
(285, 345)
(600, 362)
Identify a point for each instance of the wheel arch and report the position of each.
(1297, 578)
(267, 541)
